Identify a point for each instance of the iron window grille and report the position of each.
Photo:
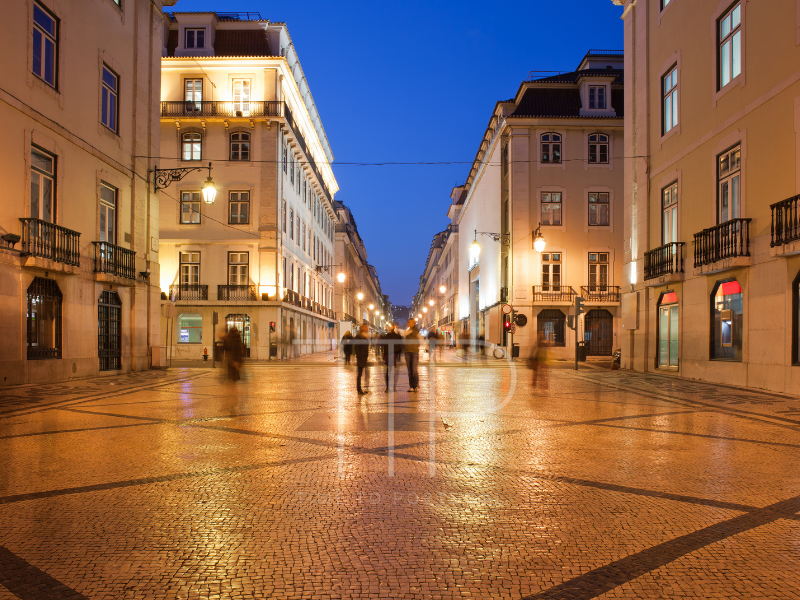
(44, 319)
(109, 325)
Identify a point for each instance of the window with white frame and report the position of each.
(551, 208)
(193, 93)
(291, 223)
(283, 215)
(598, 271)
(730, 189)
(238, 263)
(285, 156)
(598, 148)
(109, 100)
(670, 87)
(190, 268)
(195, 38)
(598, 208)
(240, 145)
(597, 96)
(551, 148)
(551, 272)
(239, 208)
(43, 185)
(669, 213)
(190, 207)
(730, 45)
(108, 213)
(241, 96)
(303, 241)
(45, 45)
(291, 172)
(192, 145)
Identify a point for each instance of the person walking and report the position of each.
(232, 342)
(361, 350)
(391, 350)
(433, 339)
(411, 348)
(347, 346)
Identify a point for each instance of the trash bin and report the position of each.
(583, 349)
(515, 351)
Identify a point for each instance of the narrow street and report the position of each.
(287, 484)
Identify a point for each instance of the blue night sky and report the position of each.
(417, 82)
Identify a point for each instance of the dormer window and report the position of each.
(195, 38)
(597, 96)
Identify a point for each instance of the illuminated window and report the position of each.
(551, 208)
(190, 328)
(727, 321)
(598, 208)
(730, 46)
(551, 148)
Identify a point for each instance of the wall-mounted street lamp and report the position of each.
(538, 239)
(442, 289)
(360, 296)
(424, 309)
(371, 306)
(162, 178)
(320, 268)
(430, 302)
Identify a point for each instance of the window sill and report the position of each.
(674, 131)
(733, 83)
(729, 360)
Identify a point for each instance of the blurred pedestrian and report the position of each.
(537, 363)
(347, 346)
(294, 350)
(391, 348)
(361, 350)
(234, 351)
(411, 348)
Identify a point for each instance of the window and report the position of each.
(239, 208)
(304, 190)
(297, 228)
(598, 271)
(190, 327)
(598, 148)
(291, 276)
(670, 83)
(237, 268)
(730, 46)
(44, 319)
(291, 173)
(45, 45)
(42, 185)
(551, 325)
(291, 223)
(551, 208)
(669, 213)
(729, 201)
(241, 96)
(668, 330)
(109, 108)
(598, 208)
(108, 213)
(193, 93)
(285, 156)
(298, 179)
(109, 331)
(190, 268)
(285, 284)
(727, 321)
(192, 146)
(551, 148)
(664, 4)
(195, 38)
(597, 96)
(240, 146)
(283, 215)
(190, 207)
(304, 237)
(551, 272)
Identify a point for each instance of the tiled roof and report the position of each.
(573, 77)
(544, 102)
(231, 42)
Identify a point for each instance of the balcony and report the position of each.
(222, 109)
(599, 293)
(188, 291)
(785, 228)
(664, 262)
(114, 260)
(246, 293)
(722, 247)
(446, 320)
(47, 240)
(553, 293)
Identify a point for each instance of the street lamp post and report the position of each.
(162, 178)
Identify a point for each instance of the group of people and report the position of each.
(389, 348)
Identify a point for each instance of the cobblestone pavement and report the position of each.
(490, 482)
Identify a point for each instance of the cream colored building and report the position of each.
(78, 110)
(711, 252)
(549, 157)
(261, 256)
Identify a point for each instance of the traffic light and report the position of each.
(506, 322)
(579, 305)
(272, 326)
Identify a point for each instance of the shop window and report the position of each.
(190, 328)
(668, 330)
(550, 325)
(727, 321)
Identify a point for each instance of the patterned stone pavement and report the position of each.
(490, 482)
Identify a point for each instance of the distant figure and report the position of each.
(361, 349)
(294, 350)
(392, 348)
(347, 346)
(433, 340)
(234, 350)
(411, 348)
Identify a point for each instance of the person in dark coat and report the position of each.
(392, 348)
(412, 343)
(347, 346)
(234, 350)
(361, 350)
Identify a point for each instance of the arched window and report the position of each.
(192, 145)
(598, 148)
(550, 326)
(727, 321)
(44, 319)
(240, 146)
(551, 148)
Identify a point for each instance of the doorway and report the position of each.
(599, 332)
(668, 330)
(109, 325)
(242, 323)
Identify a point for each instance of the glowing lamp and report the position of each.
(340, 277)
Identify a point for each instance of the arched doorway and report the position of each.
(242, 323)
(109, 326)
(598, 332)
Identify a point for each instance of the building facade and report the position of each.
(261, 256)
(79, 222)
(435, 301)
(548, 164)
(712, 262)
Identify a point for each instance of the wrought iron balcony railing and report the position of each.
(553, 293)
(48, 240)
(597, 292)
(221, 108)
(237, 292)
(292, 297)
(188, 291)
(114, 260)
(663, 260)
(727, 240)
(785, 221)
